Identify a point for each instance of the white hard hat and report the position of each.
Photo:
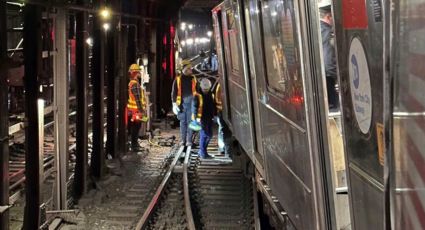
(205, 84)
(324, 3)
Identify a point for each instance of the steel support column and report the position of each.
(111, 102)
(98, 74)
(81, 165)
(4, 121)
(122, 129)
(32, 61)
(61, 96)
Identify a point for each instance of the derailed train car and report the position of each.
(269, 76)
(275, 103)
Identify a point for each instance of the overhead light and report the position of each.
(145, 60)
(204, 40)
(183, 26)
(190, 26)
(89, 41)
(106, 26)
(105, 13)
(209, 33)
(189, 41)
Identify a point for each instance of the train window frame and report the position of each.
(276, 92)
(232, 31)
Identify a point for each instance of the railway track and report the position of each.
(17, 152)
(127, 209)
(201, 194)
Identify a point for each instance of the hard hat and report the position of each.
(205, 84)
(186, 63)
(134, 67)
(324, 3)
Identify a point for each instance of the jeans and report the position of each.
(205, 137)
(185, 116)
(333, 98)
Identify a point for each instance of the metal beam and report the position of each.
(4, 121)
(111, 101)
(88, 9)
(32, 61)
(61, 96)
(81, 165)
(98, 74)
(122, 102)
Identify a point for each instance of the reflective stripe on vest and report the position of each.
(217, 98)
(200, 105)
(132, 104)
(179, 89)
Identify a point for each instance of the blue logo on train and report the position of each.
(356, 80)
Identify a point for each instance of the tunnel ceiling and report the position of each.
(196, 4)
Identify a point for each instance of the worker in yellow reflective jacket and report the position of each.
(136, 105)
(184, 87)
(204, 110)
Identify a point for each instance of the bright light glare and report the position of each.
(105, 13)
(190, 26)
(197, 40)
(106, 26)
(89, 41)
(189, 41)
(183, 26)
(204, 40)
(183, 43)
(209, 33)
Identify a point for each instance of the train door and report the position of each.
(218, 33)
(408, 116)
(236, 72)
(360, 43)
(286, 63)
(332, 123)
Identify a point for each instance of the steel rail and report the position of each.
(187, 204)
(143, 222)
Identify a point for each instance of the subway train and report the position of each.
(361, 167)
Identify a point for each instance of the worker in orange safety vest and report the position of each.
(183, 90)
(136, 105)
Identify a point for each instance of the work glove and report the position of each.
(195, 125)
(176, 108)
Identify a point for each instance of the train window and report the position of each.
(233, 39)
(280, 47)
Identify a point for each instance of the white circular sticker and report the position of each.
(361, 94)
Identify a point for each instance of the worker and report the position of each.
(184, 87)
(219, 118)
(329, 57)
(136, 106)
(204, 110)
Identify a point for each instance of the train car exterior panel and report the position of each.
(407, 162)
(252, 27)
(237, 77)
(359, 39)
(289, 145)
(275, 33)
(218, 33)
(370, 197)
(292, 194)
